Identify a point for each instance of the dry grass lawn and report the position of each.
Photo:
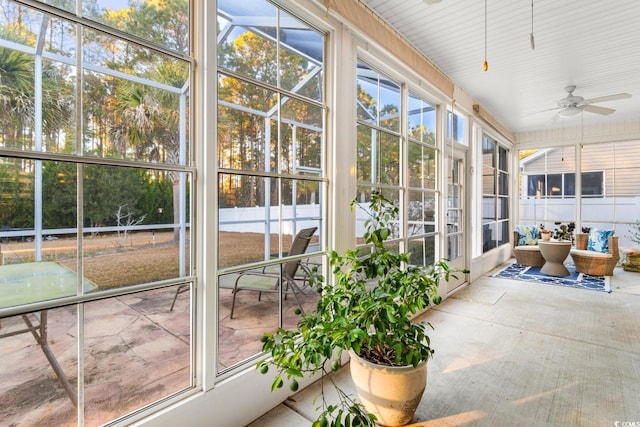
(111, 262)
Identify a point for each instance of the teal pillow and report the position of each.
(527, 235)
(599, 240)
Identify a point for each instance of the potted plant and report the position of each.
(544, 233)
(564, 231)
(367, 311)
(631, 260)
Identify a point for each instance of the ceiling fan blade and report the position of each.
(543, 111)
(608, 98)
(598, 110)
(554, 119)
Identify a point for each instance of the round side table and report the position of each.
(554, 254)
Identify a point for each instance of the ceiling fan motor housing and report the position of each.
(571, 100)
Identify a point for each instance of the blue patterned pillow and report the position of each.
(527, 235)
(599, 240)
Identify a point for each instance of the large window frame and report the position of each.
(563, 185)
(69, 159)
(271, 166)
(496, 216)
(391, 111)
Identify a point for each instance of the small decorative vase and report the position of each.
(545, 236)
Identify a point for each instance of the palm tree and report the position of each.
(16, 94)
(17, 98)
(149, 121)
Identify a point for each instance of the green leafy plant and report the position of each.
(367, 309)
(563, 231)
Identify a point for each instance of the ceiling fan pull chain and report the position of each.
(533, 43)
(485, 66)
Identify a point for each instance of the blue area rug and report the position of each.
(575, 280)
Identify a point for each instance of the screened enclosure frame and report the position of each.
(39, 55)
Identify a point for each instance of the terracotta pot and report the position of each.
(581, 241)
(391, 393)
(545, 236)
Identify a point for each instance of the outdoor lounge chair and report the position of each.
(527, 254)
(268, 279)
(593, 262)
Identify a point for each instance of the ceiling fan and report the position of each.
(574, 104)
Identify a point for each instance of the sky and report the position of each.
(113, 4)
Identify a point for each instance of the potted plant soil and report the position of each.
(366, 310)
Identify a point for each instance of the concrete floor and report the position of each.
(522, 354)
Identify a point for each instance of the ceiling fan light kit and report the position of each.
(572, 105)
(570, 111)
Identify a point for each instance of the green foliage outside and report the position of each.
(122, 119)
(242, 144)
(105, 189)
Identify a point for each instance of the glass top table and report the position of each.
(31, 282)
(37, 281)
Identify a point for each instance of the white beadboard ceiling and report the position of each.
(592, 44)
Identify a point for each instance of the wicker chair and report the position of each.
(595, 263)
(527, 254)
